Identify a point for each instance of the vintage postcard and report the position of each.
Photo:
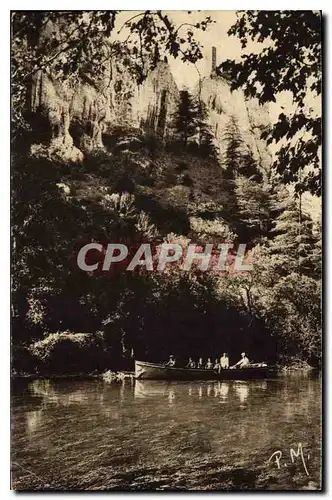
(166, 250)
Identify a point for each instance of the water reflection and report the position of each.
(239, 390)
(66, 394)
(171, 396)
(175, 430)
(222, 390)
(59, 393)
(242, 391)
(33, 419)
(150, 388)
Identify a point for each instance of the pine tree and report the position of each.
(207, 144)
(234, 152)
(293, 242)
(250, 192)
(186, 117)
(317, 250)
(191, 124)
(248, 167)
(253, 208)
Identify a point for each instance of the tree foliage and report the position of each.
(186, 117)
(189, 313)
(289, 61)
(191, 126)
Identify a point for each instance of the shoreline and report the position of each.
(110, 376)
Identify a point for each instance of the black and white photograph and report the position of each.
(166, 250)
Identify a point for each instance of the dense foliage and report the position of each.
(272, 313)
(290, 61)
(191, 126)
(144, 189)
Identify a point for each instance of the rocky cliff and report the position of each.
(226, 108)
(78, 115)
(74, 116)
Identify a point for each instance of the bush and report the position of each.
(23, 361)
(70, 353)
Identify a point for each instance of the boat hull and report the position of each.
(155, 371)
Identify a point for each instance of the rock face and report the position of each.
(74, 116)
(77, 116)
(156, 101)
(226, 108)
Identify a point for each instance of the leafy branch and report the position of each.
(289, 61)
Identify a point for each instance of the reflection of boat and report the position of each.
(242, 391)
(155, 371)
(222, 390)
(151, 388)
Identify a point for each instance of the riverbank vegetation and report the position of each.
(143, 187)
(273, 312)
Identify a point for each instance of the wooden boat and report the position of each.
(156, 371)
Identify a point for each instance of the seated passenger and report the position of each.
(209, 364)
(171, 361)
(200, 363)
(224, 361)
(243, 363)
(191, 363)
(216, 364)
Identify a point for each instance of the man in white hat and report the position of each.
(243, 363)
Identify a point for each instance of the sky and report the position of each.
(215, 35)
(186, 75)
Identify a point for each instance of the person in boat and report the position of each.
(209, 364)
(224, 361)
(191, 363)
(216, 364)
(200, 363)
(243, 363)
(171, 362)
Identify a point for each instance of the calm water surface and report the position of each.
(150, 435)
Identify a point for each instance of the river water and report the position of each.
(149, 435)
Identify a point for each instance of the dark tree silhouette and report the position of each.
(186, 117)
